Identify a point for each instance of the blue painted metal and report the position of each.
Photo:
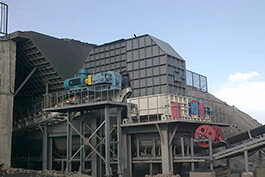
(208, 110)
(109, 80)
(77, 82)
(194, 108)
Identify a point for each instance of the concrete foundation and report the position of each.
(247, 174)
(7, 82)
(260, 172)
(223, 172)
(202, 174)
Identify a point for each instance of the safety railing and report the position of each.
(196, 80)
(81, 96)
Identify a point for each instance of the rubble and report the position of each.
(19, 172)
(161, 175)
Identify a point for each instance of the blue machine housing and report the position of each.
(109, 80)
(208, 110)
(77, 82)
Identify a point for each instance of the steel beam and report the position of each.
(192, 154)
(211, 154)
(107, 142)
(24, 82)
(246, 159)
(94, 142)
(44, 148)
(129, 149)
(69, 143)
(50, 153)
(82, 151)
(120, 168)
(182, 147)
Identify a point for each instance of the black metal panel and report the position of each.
(153, 65)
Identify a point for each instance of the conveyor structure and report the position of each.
(98, 129)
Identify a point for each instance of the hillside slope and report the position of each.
(239, 121)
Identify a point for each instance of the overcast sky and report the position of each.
(223, 40)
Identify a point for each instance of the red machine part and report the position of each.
(176, 110)
(204, 132)
(219, 134)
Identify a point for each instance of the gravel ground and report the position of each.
(19, 172)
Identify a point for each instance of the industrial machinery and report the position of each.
(198, 108)
(205, 132)
(109, 80)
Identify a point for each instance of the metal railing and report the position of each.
(81, 96)
(196, 80)
(3, 18)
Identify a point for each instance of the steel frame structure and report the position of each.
(176, 145)
(100, 137)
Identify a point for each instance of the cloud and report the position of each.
(247, 96)
(243, 76)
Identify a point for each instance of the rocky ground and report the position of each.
(160, 175)
(18, 172)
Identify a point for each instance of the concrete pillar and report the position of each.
(7, 82)
(45, 148)
(165, 150)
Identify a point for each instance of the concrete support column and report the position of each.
(167, 162)
(129, 156)
(50, 159)
(246, 159)
(45, 148)
(7, 85)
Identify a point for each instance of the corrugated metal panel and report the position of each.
(66, 56)
(107, 57)
(55, 59)
(153, 68)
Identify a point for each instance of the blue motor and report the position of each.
(77, 82)
(109, 80)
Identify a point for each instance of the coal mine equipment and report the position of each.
(77, 82)
(105, 81)
(109, 80)
(197, 108)
(203, 133)
(219, 134)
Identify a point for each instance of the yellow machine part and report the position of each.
(89, 80)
